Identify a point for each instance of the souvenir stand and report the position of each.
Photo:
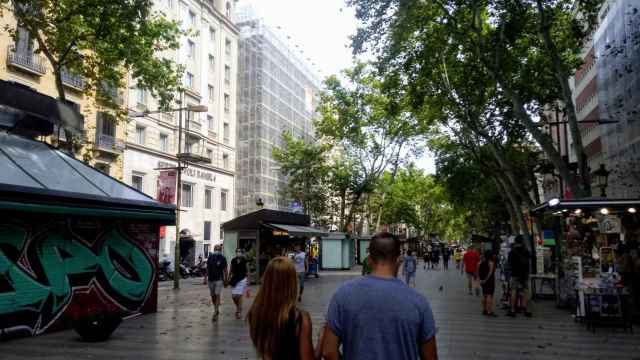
(265, 234)
(592, 244)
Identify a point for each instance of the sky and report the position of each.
(321, 28)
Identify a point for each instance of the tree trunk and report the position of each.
(354, 205)
(562, 74)
(516, 206)
(343, 205)
(510, 173)
(393, 178)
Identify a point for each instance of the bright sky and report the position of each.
(321, 28)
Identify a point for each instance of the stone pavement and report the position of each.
(182, 329)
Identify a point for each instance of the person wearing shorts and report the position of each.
(301, 264)
(238, 280)
(471, 260)
(217, 274)
(519, 263)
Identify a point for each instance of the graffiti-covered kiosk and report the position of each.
(72, 240)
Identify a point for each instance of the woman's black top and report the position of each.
(288, 344)
(483, 271)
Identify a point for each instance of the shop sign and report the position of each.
(279, 233)
(167, 186)
(610, 225)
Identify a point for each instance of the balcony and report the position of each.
(73, 81)
(26, 60)
(109, 143)
(213, 135)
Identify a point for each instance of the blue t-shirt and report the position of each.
(380, 319)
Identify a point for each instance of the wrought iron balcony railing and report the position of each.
(109, 143)
(72, 80)
(26, 60)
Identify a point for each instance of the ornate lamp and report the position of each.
(601, 177)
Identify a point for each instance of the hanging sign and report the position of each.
(610, 225)
(549, 238)
(167, 186)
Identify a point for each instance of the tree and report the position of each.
(524, 47)
(306, 167)
(102, 41)
(370, 127)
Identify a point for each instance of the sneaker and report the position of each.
(511, 314)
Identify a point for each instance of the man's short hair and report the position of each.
(384, 247)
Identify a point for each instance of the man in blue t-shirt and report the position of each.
(217, 274)
(378, 317)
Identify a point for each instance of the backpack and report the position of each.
(519, 261)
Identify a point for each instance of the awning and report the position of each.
(296, 230)
(36, 177)
(554, 205)
(26, 110)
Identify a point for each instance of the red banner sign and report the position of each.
(167, 186)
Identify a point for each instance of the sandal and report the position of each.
(238, 315)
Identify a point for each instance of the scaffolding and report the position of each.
(277, 93)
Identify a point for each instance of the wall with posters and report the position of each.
(55, 269)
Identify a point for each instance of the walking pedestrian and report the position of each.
(409, 266)
(427, 259)
(446, 254)
(366, 268)
(378, 317)
(487, 275)
(519, 258)
(435, 258)
(238, 280)
(278, 329)
(302, 265)
(457, 257)
(470, 261)
(217, 275)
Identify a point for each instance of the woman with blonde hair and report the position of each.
(278, 329)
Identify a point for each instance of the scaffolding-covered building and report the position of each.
(277, 93)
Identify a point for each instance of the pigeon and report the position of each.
(441, 288)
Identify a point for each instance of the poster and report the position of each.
(610, 225)
(167, 186)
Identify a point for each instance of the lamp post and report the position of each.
(601, 177)
(181, 166)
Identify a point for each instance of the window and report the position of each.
(191, 48)
(164, 142)
(212, 63)
(227, 103)
(187, 195)
(223, 200)
(24, 43)
(227, 74)
(140, 134)
(227, 47)
(225, 133)
(206, 235)
(108, 126)
(210, 123)
(211, 93)
(221, 232)
(103, 168)
(210, 155)
(191, 19)
(228, 9)
(225, 161)
(141, 96)
(206, 251)
(212, 35)
(136, 181)
(188, 80)
(207, 198)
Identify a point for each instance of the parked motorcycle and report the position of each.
(165, 271)
(199, 270)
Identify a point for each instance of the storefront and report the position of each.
(265, 234)
(588, 250)
(73, 241)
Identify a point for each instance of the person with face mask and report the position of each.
(238, 280)
(217, 275)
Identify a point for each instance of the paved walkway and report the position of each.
(183, 330)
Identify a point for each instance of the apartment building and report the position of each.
(209, 54)
(277, 93)
(102, 136)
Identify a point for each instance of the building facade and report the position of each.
(617, 51)
(103, 137)
(277, 93)
(209, 54)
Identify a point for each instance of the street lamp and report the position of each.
(182, 158)
(601, 177)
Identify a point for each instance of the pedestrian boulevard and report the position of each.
(182, 329)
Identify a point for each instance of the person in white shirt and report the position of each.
(302, 264)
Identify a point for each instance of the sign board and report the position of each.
(549, 238)
(610, 225)
(167, 186)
